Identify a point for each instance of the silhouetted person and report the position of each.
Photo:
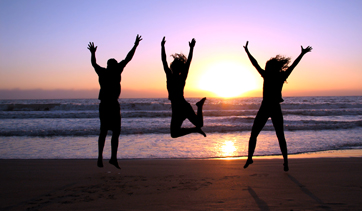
(176, 78)
(109, 109)
(275, 74)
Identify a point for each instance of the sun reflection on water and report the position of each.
(228, 149)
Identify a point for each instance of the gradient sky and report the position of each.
(43, 45)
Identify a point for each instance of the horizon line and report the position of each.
(24, 94)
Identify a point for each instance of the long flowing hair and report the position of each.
(277, 64)
(178, 63)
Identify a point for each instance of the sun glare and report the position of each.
(227, 79)
(228, 148)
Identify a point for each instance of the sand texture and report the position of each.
(311, 184)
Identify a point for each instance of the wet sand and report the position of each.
(311, 184)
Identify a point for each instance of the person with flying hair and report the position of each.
(176, 76)
(275, 74)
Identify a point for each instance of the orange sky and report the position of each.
(44, 46)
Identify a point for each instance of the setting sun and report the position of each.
(227, 79)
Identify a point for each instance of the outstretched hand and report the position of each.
(91, 47)
(163, 41)
(306, 50)
(246, 46)
(192, 43)
(138, 39)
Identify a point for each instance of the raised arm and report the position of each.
(192, 45)
(163, 57)
(133, 50)
(189, 58)
(253, 60)
(93, 50)
(297, 60)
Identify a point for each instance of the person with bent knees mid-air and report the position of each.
(176, 76)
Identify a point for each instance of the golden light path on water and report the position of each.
(215, 146)
(228, 149)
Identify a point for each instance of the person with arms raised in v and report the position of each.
(275, 74)
(109, 108)
(176, 76)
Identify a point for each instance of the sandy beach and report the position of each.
(213, 184)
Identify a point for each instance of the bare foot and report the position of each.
(286, 167)
(248, 162)
(201, 102)
(115, 163)
(100, 162)
(201, 132)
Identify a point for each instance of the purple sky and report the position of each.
(44, 44)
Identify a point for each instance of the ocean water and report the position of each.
(50, 129)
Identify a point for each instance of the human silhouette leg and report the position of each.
(181, 111)
(101, 141)
(278, 123)
(114, 148)
(177, 131)
(259, 122)
(196, 119)
(200, 116)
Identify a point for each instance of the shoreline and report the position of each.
(344, 153)
(162, 146)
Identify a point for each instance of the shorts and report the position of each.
(110, 116)
(181, 110)
(270, 109)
